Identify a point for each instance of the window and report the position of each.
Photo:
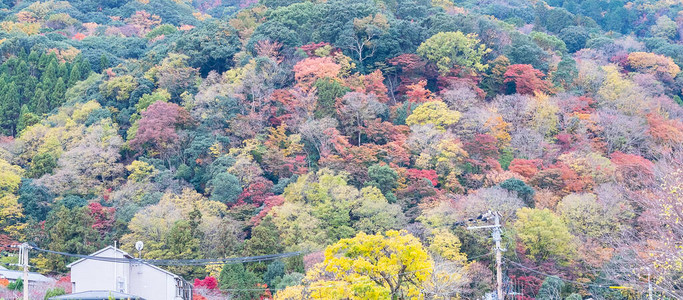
(178, 287)
(183, 289)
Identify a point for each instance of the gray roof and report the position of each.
(97, 295)
(32, 276)
(125, 255)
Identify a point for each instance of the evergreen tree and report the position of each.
(104, 62)
(182, 244)
(21, 71)
(70, 230)
(328, 92)
(236, 277)
(21, 54)
(75, 75)
(274, 273)
(45, 60)
(523, 191)
(39, 103)
(85, 68)
(49, 77)
(62, 70)
(551, 289)
(10, 107)
(20, 76)
(265, 239)
(8, 66)
(53, 292)
(29, 90)
(33, 58)
(57, 96)
(35, 199)
(566, 72)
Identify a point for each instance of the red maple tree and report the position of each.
(526, 79)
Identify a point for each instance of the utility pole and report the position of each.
(499, 254)
(116, 288)
(23, 261)
(497, 238)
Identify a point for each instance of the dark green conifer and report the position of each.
(39, 103)
(75, 75)
(57, 95)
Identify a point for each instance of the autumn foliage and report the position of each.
(208, 282)
(526, 80)
(377, 130)
(158, 125)
(633, 170)
(525, 167)
(658, 65)
(307, 71)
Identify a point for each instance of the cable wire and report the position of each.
(177, 262)
(549, 275)
(343, 282)
(469, 259)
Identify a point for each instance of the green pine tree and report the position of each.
(21, 71)
(70, 230)
(21, 54)
(39, 103)
(236, 277)
(265, 239)
(75, 75)
(34, 57)
(104, 62)
(10, 107)
(44, 61)
(49, 77)
(85, 68)
(57, 95)
(30, 87)
(62, 70)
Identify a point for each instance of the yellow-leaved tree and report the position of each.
(620, 92)
(11, 213)
(449, 277)
(390, 266)
(448, 50)
(433, 112)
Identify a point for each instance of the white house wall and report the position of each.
(91, 275)
(146, 281)
(151, 284)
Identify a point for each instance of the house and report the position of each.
(34, 278)
(127, 275)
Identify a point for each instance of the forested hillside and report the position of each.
(366, 135)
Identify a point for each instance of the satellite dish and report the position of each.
(139, 245)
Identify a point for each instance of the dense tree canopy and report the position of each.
(368, 135)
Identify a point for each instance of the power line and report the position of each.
(178, 262)
(335, 283)
(343, 282)
(479, 256)
(577, 282)
(560, 278)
